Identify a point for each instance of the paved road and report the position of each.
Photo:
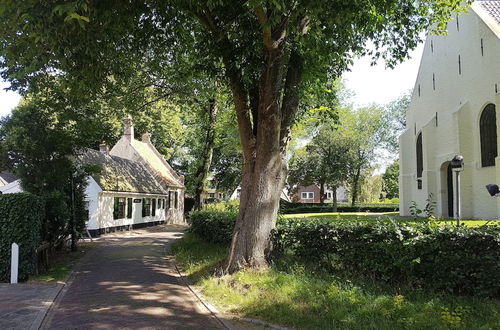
(23, 306)
(129, 282)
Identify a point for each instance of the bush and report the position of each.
(459, 260)
(295, 208)
(21, 218)
(328, 208)
(215, 226)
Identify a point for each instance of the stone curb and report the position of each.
(43, 312)
(215, 312)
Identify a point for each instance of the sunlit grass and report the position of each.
(293, 296)
(385, 216)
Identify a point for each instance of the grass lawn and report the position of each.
(62, 264)
(367, 216)
(292, 296)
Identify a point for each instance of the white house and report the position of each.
(454, 111)
(9, 183)
(136, 187)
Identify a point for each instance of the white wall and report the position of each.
(458, 100)
(11, 188)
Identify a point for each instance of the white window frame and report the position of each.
(307, 195)
(328, 195)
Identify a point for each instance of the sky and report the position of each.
(370, 84)
(377, 84)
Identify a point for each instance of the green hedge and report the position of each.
(459, 260)
(215, 226)
(295, 208)
(21, 218)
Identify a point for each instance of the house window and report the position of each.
(176, 199)
(146, 207)
(170, 199)
(153, 208)
(420, 161)
(328, 195)
(488, 135)
(119, 208)
(129, 208)
(307, 195)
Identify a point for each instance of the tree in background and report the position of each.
(395, 119)
(391, 180)
(324, 161)
(271, 52)
(371, 188)
(38, 141)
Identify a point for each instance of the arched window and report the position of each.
(488, 134)
(420, 161)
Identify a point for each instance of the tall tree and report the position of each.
(391, 180)
(270, 50)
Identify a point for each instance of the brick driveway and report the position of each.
(129, 282)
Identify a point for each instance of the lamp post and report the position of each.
(457, 166)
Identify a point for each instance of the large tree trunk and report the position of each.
(334, 199)
(321, 192)
(264, 177)
(203, 169)
(264, 128)
(355, 186)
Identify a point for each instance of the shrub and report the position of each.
(215, 226)
(322, 208)
(21, 218)
(460, 260)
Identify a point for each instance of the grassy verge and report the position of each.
(292, 296)
(62, 264)
(367, 216)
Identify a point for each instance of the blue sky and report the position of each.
(371, 84)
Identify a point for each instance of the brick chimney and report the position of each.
(128, 128)
(146, 138)
(104, 148)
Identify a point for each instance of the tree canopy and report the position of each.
(269, 53)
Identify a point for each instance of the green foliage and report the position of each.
(21, 218)
(215, 226)
(391, 180)
(427, 212)
(294, 208)
(292, 295)
(459, 260)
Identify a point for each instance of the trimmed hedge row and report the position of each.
(325, 209)
(294, 208)
(459, 260)
(21, 217)
(214, 226)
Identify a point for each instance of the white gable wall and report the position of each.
(458, 100)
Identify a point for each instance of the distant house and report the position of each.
(236, 194)
(210, 195)
(311, 194)
(136, 187)
(9, 183)
(453, 111)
